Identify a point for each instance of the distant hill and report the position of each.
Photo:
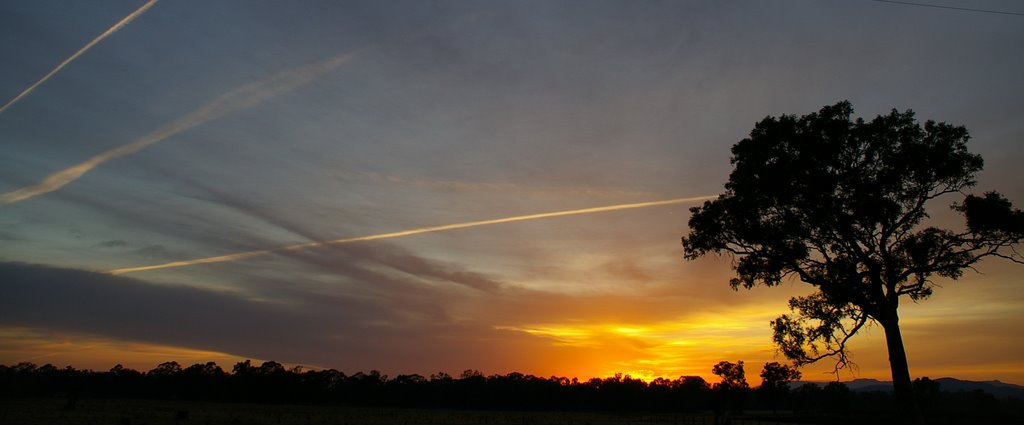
(996, 388)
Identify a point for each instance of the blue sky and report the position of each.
(298, 122)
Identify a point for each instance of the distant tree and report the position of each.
(471, 374)
(441, 377)
(414, 379)
(806, 397)
(836, 397)
(731, 390)
(203, 381)
(776, 375)
(25, 367)
(165, 369)
(47, 369)
(775, 379)
(243, 368)
(695, 383)
(271, 368)
(927, 392)
(839, 204)
(406, 390)
(204, 369)
(694, 391)
(732, 374)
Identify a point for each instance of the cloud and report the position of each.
(504, 188)
(240, 98)
(120, 24)
(132, 309)
(627, 269)
(322, 329)
(388, 257)
(114, 243)
(159, 251)
(158, 233)
(299, 247)
(371, 307)
(224, 198)
(360, 261)
(8, 236)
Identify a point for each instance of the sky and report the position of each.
(355, 133)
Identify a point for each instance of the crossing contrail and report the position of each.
(242, 97)
(402, 233)
(120, 24)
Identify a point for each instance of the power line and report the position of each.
(964, 9)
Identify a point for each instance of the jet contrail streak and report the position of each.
(298, 247)
(242, 97)
(120, 24)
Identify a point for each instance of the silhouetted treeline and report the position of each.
(271, 382)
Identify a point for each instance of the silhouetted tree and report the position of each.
(25, 367)
(406, 390)
(806, 397)
(243, 368)
(731, 389)
(164, 379)
(926, 391)
(271, 368)
(694, 390)
(834, 403)
(839, 204)
(732, 374)
(165, 369)
(203, 381)
(775, 379)
(776, 375)
(836, 397)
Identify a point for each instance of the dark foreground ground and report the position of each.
(19, 411)
(158, 412)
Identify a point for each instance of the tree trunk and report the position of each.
(902, 386)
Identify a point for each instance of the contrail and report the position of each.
(120, 24)
(242, 97)
(249, 254)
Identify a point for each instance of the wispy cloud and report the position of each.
(115, 243)
(489, 187)
(402, 233)
(242, 97)
(120, 24)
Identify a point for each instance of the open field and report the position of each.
(25, 411)
(159, 412)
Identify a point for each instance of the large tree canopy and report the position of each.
(841, 204)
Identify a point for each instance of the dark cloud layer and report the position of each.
(134, 309)
(326, 330)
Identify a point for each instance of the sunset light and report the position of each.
(547, 188)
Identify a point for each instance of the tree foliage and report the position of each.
(732, 374)
(841, 204)
(206, 382)
(775, 379)
(777, 375)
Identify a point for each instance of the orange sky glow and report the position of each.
(423, 187)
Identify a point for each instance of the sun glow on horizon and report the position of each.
(99, 353)
(686, 346)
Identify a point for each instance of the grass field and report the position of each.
(24, 411)
(160, 412)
